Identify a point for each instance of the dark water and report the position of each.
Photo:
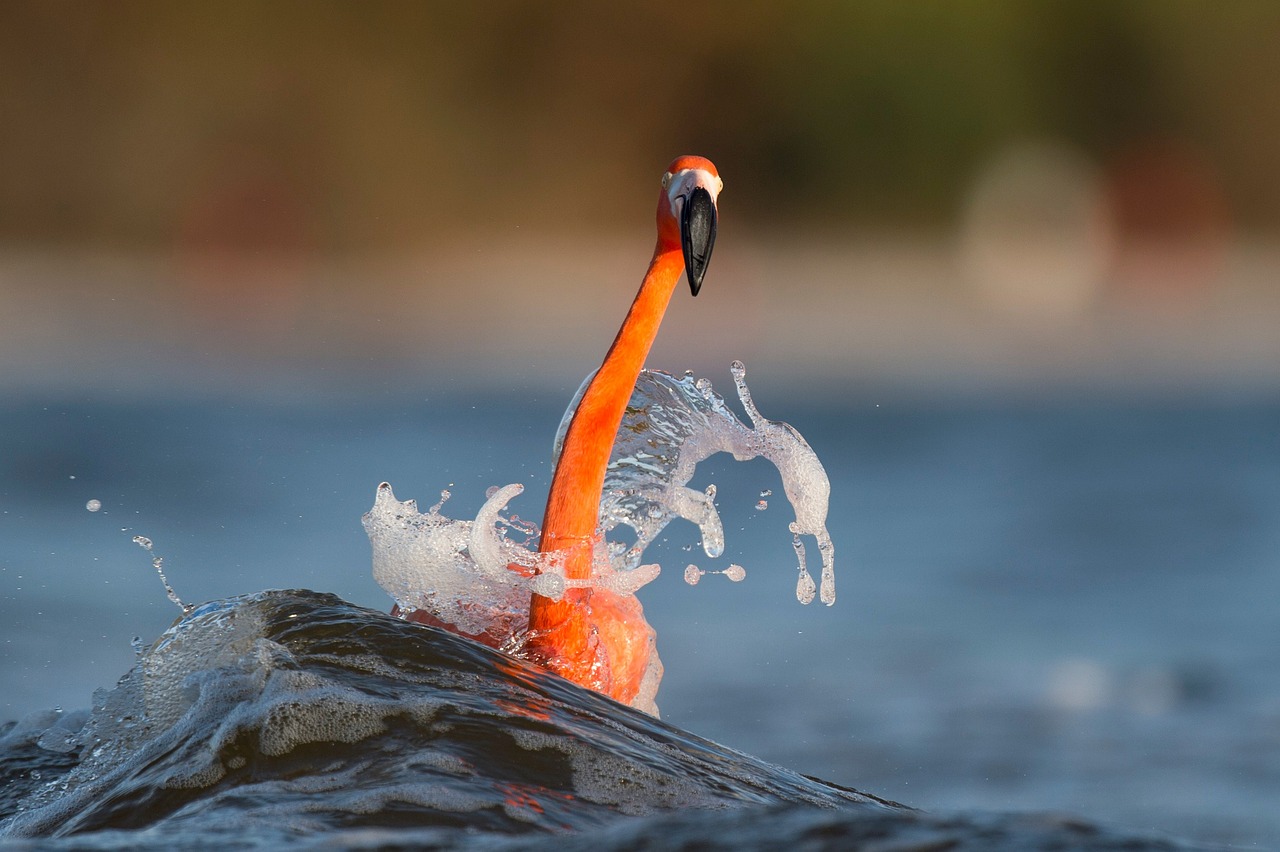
(292, 718)
(1063, 605)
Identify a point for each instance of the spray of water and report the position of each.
(157, 562)
(478, 574)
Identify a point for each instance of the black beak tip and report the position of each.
(697, 236)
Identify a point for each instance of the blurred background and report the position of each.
(1042, 190)
(1011, 267)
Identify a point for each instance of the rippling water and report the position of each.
(1061, 605)
(296, 718)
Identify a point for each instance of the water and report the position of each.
(478, 575)
(296, 719)
(283, 715)
(1060, 604)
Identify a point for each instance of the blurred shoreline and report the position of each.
(811, 316)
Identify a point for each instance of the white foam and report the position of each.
(471, 574)
(672, 425)
(456, 570)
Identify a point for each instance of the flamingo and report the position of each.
(595, 636)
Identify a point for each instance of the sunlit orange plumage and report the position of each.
(595, 636)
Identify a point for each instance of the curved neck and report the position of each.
(573, 506)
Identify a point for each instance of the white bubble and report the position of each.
(93, 505)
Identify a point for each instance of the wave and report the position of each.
(295, 718)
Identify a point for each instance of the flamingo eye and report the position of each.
(666, 180)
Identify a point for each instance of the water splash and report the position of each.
(157, 562)
(474, 575)
(673, 424)
(735, 574)
(454, 569)
(469, 573)
(804, 480)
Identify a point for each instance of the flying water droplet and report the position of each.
(93, 505)
(670, 427)
(157, 562)
(805, 587)
(693, 574)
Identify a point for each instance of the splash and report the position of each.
(471, 574)
(477, 575)
(734, 573)
(672, 425)
(157, 562)
(456, 570)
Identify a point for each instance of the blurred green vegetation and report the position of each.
(365, 126)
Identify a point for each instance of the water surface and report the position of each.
(1061, 603)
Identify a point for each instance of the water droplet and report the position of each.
(693, 574)
(735, 573)
(549, 585)
(762, 505)
(805, 587)
(157, 562)
(93, 505)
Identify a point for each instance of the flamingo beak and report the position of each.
(697, 235)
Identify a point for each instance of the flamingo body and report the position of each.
(594, 636)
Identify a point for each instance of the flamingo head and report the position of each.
(687, 213)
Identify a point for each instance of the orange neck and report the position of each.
(573, 506)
